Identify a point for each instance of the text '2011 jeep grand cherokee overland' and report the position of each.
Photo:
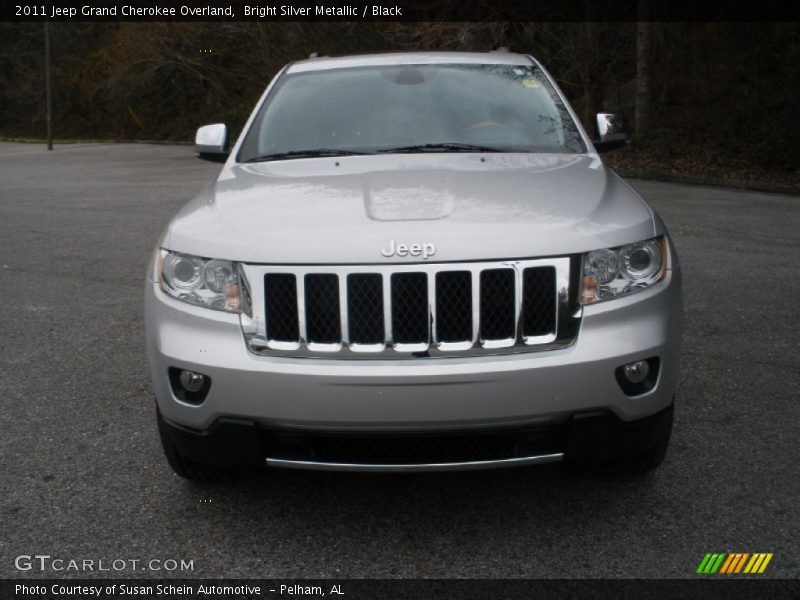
(413, 262)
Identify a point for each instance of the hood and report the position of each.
(469, 206)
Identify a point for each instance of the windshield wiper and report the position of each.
(441, 147)
(303, 154)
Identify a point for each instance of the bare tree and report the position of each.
(644, 31)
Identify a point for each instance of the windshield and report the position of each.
(411, 108)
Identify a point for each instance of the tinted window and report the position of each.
(368, 109)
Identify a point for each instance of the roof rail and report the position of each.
(501, 49)
(314, 55)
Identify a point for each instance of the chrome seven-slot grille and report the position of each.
(408, 310)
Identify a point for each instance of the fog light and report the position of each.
(189, 386)
(635, 372)
(638, 377)
(191, 381)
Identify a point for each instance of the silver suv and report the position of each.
(413, 262)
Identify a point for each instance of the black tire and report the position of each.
(186, 468)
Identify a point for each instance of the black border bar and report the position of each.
(399, 10)
(706, 587)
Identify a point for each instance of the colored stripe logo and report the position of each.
(734, 562)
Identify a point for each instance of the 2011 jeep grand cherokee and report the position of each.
(413, 262)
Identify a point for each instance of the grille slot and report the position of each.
(497, 304)
(454, 306)
(281, 300)
(538, 301)
(410, 320)
(323, 325)
(365, 308)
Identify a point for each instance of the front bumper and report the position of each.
(586, 438)
(425, 394)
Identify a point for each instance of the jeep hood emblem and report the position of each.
(424, 250)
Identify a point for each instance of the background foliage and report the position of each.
(724, 97)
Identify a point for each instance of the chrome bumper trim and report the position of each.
(419, 467)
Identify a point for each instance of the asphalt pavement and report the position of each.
(83, 476)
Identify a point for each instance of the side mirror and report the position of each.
(610, 132)
(211, 142)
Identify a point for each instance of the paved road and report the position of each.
(83, 476)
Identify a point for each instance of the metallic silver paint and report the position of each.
(609, 128)
(407, 58)
(473, 207)
(211, 139)
(424, 393)
(337, 212)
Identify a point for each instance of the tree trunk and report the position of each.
(643, 40)
(591, 78)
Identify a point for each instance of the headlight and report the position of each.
(618, 271)
(211, 283)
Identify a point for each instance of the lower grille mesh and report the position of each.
(417, 448)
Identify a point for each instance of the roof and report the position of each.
(409, 58)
